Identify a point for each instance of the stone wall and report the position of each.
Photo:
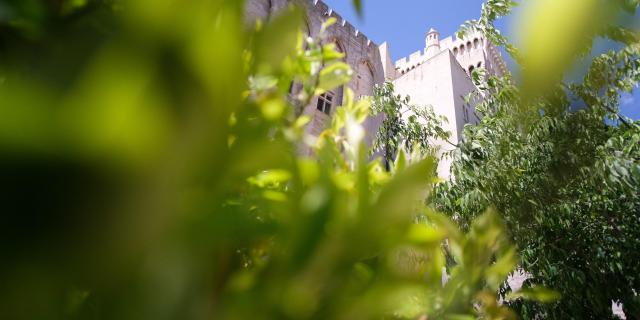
(360, 53)
(258, 9)
(432, 84)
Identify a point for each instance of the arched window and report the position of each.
(462, 49)
(476, 42)
(295, 87)
(480, 64)
(471, 68)
(329, 100)
(306, 33)
(469, 45)
(365, 80)
(455, 51)
(340, 48)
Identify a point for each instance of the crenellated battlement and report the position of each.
(342, 23)
(317, 12)
(472, 51)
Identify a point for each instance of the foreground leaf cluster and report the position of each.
(151, 169)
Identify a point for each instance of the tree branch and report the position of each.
(625, 122)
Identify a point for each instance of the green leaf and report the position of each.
(271, 177)
(332, 76)
(536, 293)
(423, 234)
(401, 161)
(278, 40)
(357, 4)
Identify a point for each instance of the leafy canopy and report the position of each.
(556, 158)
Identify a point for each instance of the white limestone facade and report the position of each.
(440, 76)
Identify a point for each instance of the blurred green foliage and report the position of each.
(150, 170)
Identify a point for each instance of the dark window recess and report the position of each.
(291, 88)
(325, 102)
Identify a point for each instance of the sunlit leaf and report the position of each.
(332, 76)
(536, 293)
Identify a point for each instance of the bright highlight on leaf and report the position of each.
(554, 33)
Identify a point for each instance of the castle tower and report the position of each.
(432, 43)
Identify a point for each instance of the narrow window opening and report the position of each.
(465, 113)
(325, 103)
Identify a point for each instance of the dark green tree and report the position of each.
(562, 167)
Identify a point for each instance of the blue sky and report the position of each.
(404, 23)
